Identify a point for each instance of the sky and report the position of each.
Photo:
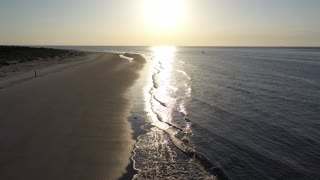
(160, 22)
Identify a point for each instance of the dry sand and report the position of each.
(71, 124)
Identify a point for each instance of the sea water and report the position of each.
(238, 113)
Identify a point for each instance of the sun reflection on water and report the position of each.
(164, 91)
(159, 94)
(163, 58)
(165, 53)
(156, 154)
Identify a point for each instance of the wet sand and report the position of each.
(70, 124)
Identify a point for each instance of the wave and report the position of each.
(166, 150)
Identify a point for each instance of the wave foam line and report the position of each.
(169, 130)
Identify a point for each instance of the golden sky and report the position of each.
(160, 22)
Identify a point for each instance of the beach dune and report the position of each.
(71, 124)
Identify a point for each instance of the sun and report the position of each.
(164, 14)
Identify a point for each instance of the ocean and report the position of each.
(236, 112)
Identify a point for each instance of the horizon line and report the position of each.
(224, 46)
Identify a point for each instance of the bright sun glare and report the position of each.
(164, 14)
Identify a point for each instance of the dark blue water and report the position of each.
(256, 111)
(252, 113)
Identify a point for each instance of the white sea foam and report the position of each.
(125, 57)
(159, 153)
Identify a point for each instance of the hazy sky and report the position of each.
(126, 22)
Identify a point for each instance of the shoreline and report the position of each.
(71, 122)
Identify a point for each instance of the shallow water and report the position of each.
(250, 113)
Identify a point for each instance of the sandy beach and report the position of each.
(70, 122)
